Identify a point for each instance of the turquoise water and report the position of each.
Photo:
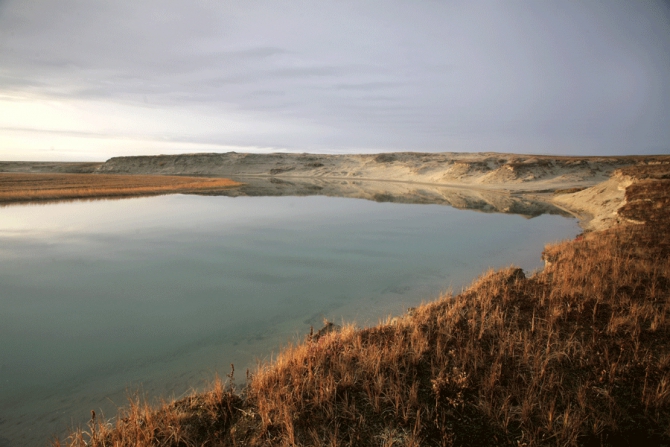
(159, 294)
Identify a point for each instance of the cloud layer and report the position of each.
(96, 79)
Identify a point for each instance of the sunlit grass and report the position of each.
(40, 187)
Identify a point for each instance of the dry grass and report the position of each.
(576, 355)
(16, 187)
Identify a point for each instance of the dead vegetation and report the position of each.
(576, 355)
(22, 187)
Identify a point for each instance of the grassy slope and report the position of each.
(576, 355)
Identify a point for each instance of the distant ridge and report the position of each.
(482, 170)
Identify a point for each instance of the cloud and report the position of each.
(584, 77)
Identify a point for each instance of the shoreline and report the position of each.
(575, 354)
(492, 182)
(589, 286)
(18, 188)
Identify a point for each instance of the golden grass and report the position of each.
(15, 187)
(576, 355)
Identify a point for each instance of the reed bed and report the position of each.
(21, 187)
(578, 354)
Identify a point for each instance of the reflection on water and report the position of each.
(476, 199)
(162, 292)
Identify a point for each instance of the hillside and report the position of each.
(483, 170)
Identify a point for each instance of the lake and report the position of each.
(104, 298)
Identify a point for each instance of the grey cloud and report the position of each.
(577, 77)
(365, 86)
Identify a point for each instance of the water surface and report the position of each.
(160, 293)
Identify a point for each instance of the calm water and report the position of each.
(159, 294)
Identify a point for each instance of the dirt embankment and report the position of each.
(600, 206)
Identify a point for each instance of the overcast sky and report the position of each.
(87, 80)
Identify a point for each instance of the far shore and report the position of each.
(589, 188)
(38, 187)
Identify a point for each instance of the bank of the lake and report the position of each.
(597, 190)
(574, 355)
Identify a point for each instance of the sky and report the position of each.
(88, 80)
